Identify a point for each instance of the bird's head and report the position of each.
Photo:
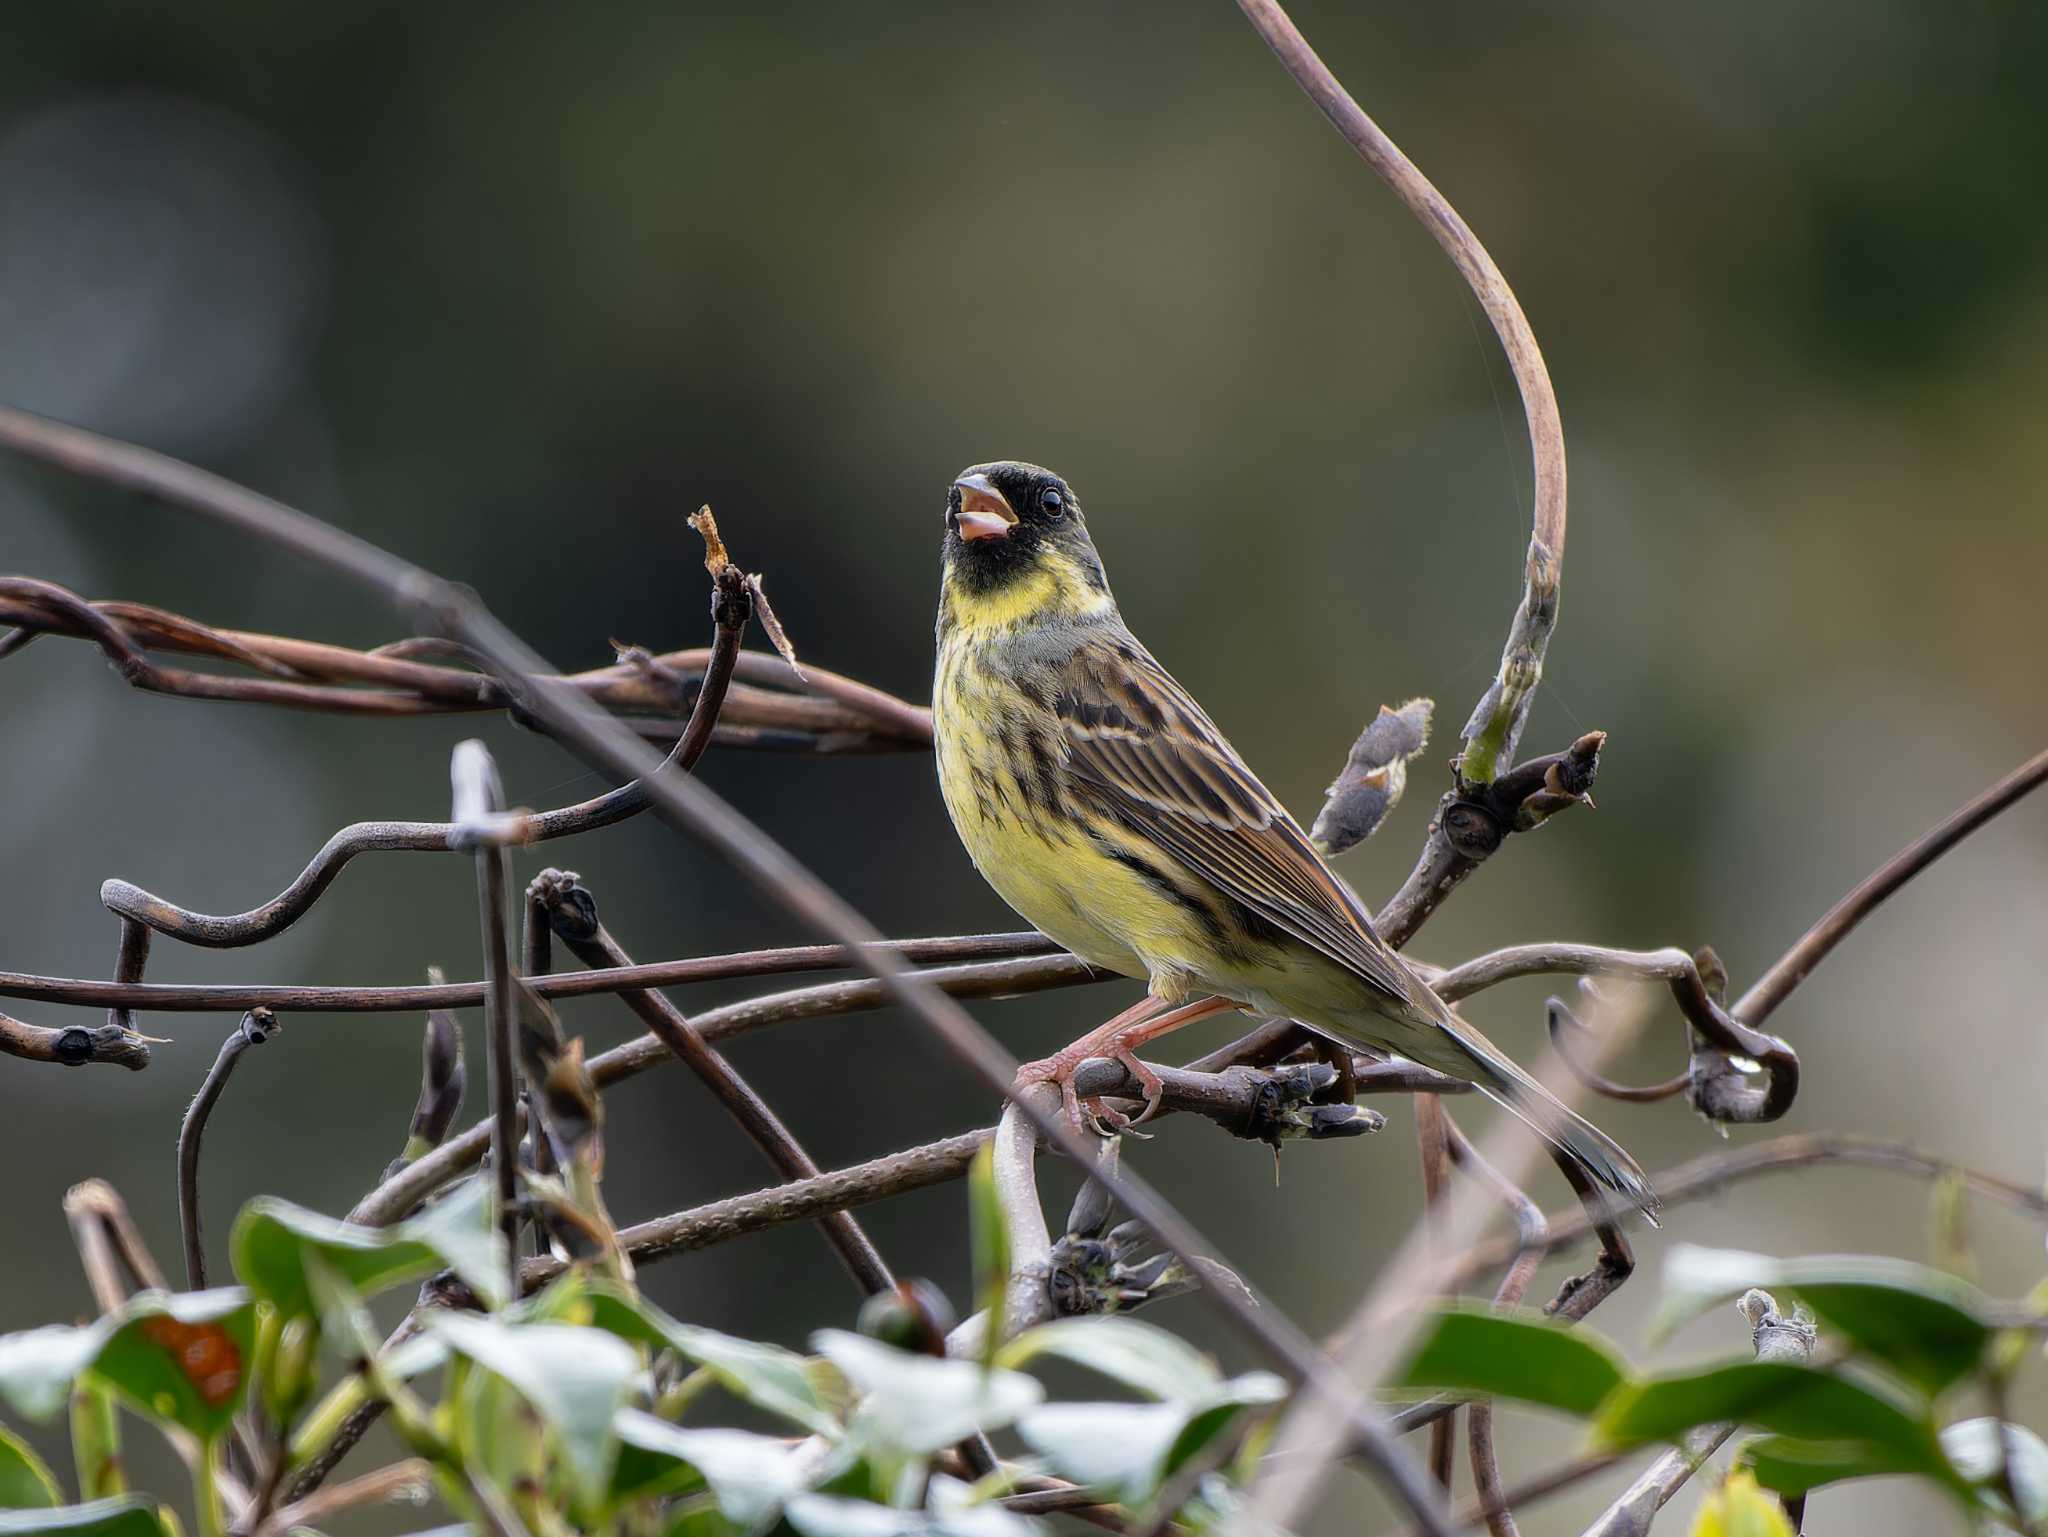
(1015, 538)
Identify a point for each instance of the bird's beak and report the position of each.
(985, 512)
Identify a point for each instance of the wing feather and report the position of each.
(1143, 752)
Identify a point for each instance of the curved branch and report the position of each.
(731, 607)
(1797, 963)
(256, 1027)
(1561, 1021)
(773, 705)
(1713, 1172)
(1718, 1091)
(1496, 723)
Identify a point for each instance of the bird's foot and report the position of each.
(1094, 1113)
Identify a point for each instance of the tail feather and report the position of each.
(1603, 1160)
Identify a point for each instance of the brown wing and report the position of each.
(1143, 752)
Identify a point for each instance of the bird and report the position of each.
(1103, 804)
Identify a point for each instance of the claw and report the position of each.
(1092, 1119)
(1149, 1086)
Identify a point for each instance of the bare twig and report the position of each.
(479, 800)
(1028, 1298)
(730, 606)
(994, 979)
(1705, 1176)
(106, 1237)
(803, 1200)
(1530, 1232)
(1433, 1147)
(1797, 963)
(572, 911)
(1495, 725)
(73, 1045)
(256, 1027)
(130, 959)
(830, 714)
(292, 998)
(406, 1481)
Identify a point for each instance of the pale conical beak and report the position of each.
(985, 513)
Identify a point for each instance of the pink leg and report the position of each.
(1118, 1039)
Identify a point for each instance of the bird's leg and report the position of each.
(1118, 1039)
(1123, 1047)
(1059, 1067)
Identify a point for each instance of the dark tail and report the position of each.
(1603, 1160)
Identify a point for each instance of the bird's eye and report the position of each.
(1053, 503)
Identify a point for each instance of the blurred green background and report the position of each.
(513, 288)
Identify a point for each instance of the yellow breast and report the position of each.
(1045, 860)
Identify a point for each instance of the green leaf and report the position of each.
(991, 1248)
(750, 1476)
(1131, 1449)
(1114, 1447)
(1522, 1356)
(1925, 1324)
(767, 1376)
(952, 1512)
(273, 1237)
(577, 1379)
(1138, 1355)
(1791, 1466)
(25, 1483)
(1803, 1401)
(1209, 1421)
(38, 1366)
(182, 1357)
(918, 1404)
(127, 1516)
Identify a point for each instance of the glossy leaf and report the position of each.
(1925, 1324)
(1522, 1356)
(25, 1483)
(951, 1512)
(1129, 1450)
(127, 1516)
(272, 1238)
(1803, 1401)
(576, 1379)
(919, 1404)
(182, 1357)
(1792, 1466)
(749, 1475)
(1134, 1354)
(38, 1366)
(1208, 1421)
(769, 1377)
